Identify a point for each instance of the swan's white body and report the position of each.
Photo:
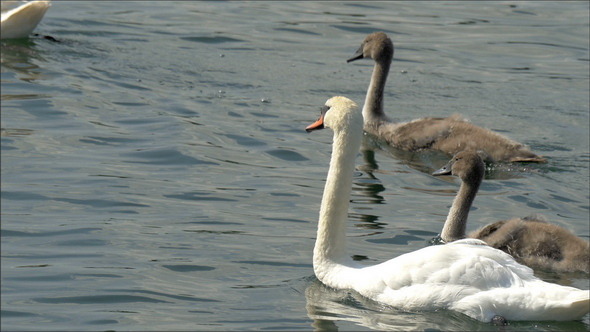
(467, 275)
(19, 22)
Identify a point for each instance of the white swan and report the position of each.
(466, 275)
(531, 240)
(449, 135)
(19, 22)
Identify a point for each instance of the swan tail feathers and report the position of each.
(580, 307)
(542, 304)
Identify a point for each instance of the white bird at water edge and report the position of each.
(19, 19)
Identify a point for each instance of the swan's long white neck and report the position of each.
(454, 228)
(330, 247)
(373, 107)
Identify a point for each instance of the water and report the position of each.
(156, 175)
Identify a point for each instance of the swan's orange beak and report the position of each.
(319, 124)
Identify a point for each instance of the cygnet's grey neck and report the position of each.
(373, 108)
(454, 228)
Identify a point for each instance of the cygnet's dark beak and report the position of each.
(445, 170)
(357, 55)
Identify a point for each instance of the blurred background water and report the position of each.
(156, 174)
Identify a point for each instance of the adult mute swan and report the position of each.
(19, 22)
(467, 276)
(531, 240)
(449, 135)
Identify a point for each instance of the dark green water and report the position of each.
(156, 174)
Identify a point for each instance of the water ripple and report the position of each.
(287, 155)
(188, 268)
(199, 196)
(94, 299)
(165, 156)
(212, 40)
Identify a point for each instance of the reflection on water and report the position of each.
(7, 132)
(20, 56)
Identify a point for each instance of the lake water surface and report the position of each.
(156, 174)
